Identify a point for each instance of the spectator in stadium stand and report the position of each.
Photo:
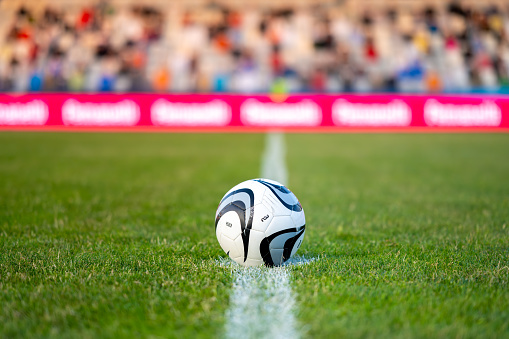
(105, 47)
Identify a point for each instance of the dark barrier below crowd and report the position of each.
(313, 113)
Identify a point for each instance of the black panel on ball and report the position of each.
(265, 244)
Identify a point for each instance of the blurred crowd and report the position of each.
(216, 49)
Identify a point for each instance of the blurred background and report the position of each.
(258, 46)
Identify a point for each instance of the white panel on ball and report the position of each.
(228, 245)
(298, 218)
(230, 225)
(262, 218)
(279, 223)
(255, 237)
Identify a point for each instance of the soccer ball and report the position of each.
(259, 222)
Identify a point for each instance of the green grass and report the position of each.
(111, 235)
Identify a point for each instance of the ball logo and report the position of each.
(123, 113)
(302, 113)
(31, 113)
(487, 113)
(393, 113)
(214, 113)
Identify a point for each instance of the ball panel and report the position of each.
(251, 185)
(262, 217)
(224, 202)
(297, 244)
(277, 256)
(230, 224)
(290, 243)
(255, 238)
(279, 223)
(299, 219)
(239, 247)
(279, 241)
(273, 205)
(281, 193)
(280, 210)
(228, 246)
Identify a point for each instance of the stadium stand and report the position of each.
(319, 46)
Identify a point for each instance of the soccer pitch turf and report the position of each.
(112, 235)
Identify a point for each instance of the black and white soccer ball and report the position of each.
(260, 221)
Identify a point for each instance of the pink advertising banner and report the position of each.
(313, 113)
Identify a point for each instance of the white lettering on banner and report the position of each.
(213, 113)
(303, 113)
(394, 113)
(34, 112)
(123, 113)
(485, 114)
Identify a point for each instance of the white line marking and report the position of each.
(273, 160)
(262, 304)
